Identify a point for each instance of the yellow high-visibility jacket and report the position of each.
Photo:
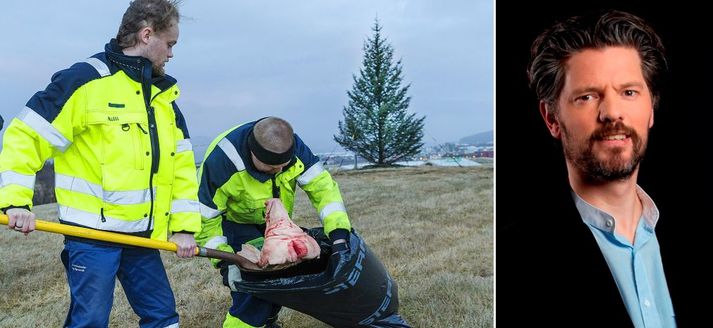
(122, 154)
(231, 188)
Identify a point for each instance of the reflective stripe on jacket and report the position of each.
(231, 187)
(122, 153)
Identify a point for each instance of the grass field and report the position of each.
(431, 227)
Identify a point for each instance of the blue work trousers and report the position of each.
(92, 270)
(246, 307)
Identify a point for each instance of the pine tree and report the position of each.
(376, 123)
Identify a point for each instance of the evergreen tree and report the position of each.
(376, 123)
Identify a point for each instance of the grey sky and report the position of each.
(237, 61)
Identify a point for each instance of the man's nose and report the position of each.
(610, 109)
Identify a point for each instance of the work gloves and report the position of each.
(231, 275)
(340, 246)
(340, 240)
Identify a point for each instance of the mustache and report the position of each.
(612, 129)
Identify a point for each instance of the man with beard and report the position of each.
(596, 78)
(123, 163)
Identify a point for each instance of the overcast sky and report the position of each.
(237, 61)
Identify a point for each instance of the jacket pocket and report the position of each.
(123, 154)
(122, 137)
(248, 210)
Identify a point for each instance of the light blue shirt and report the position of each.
(637, 269)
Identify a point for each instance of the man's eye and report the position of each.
(630, 93)
(584, 98)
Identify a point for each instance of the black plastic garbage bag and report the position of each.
(347, 288)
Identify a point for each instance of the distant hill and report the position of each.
(478, 138)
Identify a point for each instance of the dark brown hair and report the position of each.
(552, 49)
(158, 14)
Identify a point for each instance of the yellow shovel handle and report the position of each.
(133, 241)
(99, 235)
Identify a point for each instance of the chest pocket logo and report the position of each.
(113, 105)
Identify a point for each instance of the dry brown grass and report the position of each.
(431, 227)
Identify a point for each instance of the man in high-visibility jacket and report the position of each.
(244, 167)
(123, 163)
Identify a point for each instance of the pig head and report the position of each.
(285, 242)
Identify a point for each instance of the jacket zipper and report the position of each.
(153, 136)
(275, 188)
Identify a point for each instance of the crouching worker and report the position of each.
(244, 167)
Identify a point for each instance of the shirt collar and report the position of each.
(605, 221)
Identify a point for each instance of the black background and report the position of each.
(673, 172)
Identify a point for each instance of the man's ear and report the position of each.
(145, 34)
(551, 120)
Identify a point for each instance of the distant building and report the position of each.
(439, 155)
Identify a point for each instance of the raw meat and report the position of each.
(285, 242)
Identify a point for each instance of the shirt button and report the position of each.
(647, 303)
(610, 223)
